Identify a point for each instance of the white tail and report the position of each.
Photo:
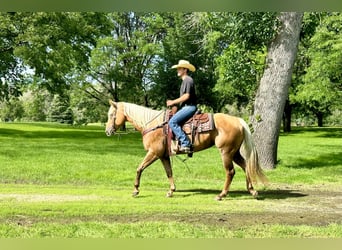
(249, 153)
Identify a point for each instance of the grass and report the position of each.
(310, 156)
(163, 230)
(62, 181)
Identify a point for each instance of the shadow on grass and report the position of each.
(322, 160)
(51, 134)
(73, 139)
(263, 195)
(330, 133)
(324, 132)
(72, 133)
(280, 194)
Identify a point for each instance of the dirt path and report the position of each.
(288, 205)
(285, 206)
(291, 205)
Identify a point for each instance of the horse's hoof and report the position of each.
(218, 198)
(255, 194)
(169, 194)
(135, 193)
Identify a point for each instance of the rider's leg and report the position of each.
(179, 118)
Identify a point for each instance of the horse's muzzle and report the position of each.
(109, 131)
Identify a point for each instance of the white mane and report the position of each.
(142, 116)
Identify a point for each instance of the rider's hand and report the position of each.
(169, 103)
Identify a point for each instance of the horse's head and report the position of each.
(116, 118)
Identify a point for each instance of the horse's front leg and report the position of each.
(168, 169)
(150, 157)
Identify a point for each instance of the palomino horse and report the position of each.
(231, 136)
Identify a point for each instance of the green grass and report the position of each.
(62, 181)
(310, 156)
(163, 230)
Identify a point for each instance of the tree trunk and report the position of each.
(319, 116)
(287, 116)
(273, 89)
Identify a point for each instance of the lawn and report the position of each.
(63, 181)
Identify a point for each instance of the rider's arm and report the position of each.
(179, 100)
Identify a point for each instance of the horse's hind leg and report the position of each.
(168, 169)
(238, 159)
(230, 172)
(150, 157)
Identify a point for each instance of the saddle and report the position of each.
(199, 123)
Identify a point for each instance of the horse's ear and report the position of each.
(112, 103)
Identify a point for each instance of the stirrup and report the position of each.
(186, 150)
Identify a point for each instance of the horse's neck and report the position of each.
(142, 117)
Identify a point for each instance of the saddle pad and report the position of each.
(201, 117)
(200, 123)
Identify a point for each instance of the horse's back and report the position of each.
(227, 122)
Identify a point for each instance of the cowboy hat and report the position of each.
(184, 64)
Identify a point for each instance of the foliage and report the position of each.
(293, 108)
(52, 45)
(176, 45)
(124, 61)
(36, 101)
(10, 66)
(128, 55)
(335, 119)
(60, 110)
(322, 83)
(236, 42)
(182, 41)
(37, 104)
(11, 110)
(238, 72)
(251, 30)
(85, 108)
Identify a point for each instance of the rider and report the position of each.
(187, 101)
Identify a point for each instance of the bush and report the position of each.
(60, 110)
(11, 110)
(335, 119)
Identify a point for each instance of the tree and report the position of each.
(10, 66)
(176, 45)
(238, 70)
(232, 45)
(86, 109)
(60, 110)
(36, 101)
(273, 88)
(124, 61)
(54, 45)
(293, 107)
(322, 83)
(310, 21)
(11, 110)
(183, 41)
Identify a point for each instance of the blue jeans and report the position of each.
(178, 120)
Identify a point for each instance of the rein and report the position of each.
(146, 131)
(155, 117)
